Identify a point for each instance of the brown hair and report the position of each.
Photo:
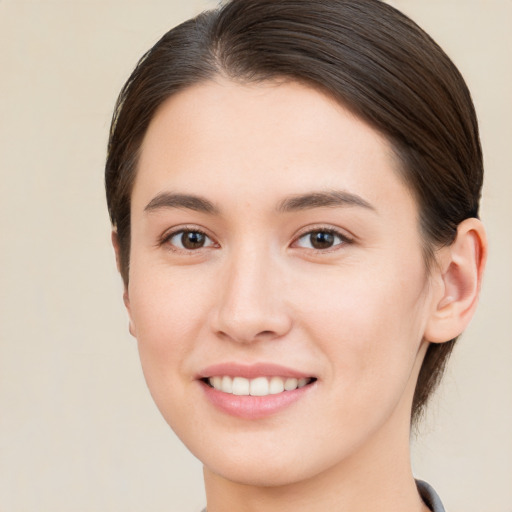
(369, 56)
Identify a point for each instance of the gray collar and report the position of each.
(429, 496)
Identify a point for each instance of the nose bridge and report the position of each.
(250, 302)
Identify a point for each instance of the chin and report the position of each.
(258, 474)
(269, 464)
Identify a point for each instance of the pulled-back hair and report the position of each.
(370, 57)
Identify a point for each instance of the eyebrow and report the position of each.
(323, 199)
(332, 198)
(183, 201)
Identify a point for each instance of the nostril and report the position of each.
(242, 334)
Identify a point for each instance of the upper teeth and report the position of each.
(260, 386)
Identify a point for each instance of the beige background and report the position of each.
(78, 430)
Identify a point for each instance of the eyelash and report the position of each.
(343, 239)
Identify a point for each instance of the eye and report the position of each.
(189, 240)
(321, 239)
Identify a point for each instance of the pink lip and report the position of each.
(253, 407)
(251, 371)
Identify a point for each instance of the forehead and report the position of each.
(264, 139)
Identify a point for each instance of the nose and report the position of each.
(251, 304)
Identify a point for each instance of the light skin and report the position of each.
(270, 225)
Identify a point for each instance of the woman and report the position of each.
(294, 192)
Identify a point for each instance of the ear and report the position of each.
(126, 298)
(459, 276)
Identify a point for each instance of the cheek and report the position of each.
(168, 315)
(368, 323)
(166, 304)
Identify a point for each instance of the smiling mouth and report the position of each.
(260, 386)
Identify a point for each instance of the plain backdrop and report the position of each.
(78, 430)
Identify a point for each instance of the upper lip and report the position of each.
(251, 371)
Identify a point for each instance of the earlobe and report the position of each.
(126, 297)
(461, 268)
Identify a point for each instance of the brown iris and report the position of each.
(321, 239)
(193, 239)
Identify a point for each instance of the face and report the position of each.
(277, 286)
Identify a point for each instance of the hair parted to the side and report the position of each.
(370, 57)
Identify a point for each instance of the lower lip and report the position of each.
(253, 407)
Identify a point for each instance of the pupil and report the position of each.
(192, 240)
(322, 240)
